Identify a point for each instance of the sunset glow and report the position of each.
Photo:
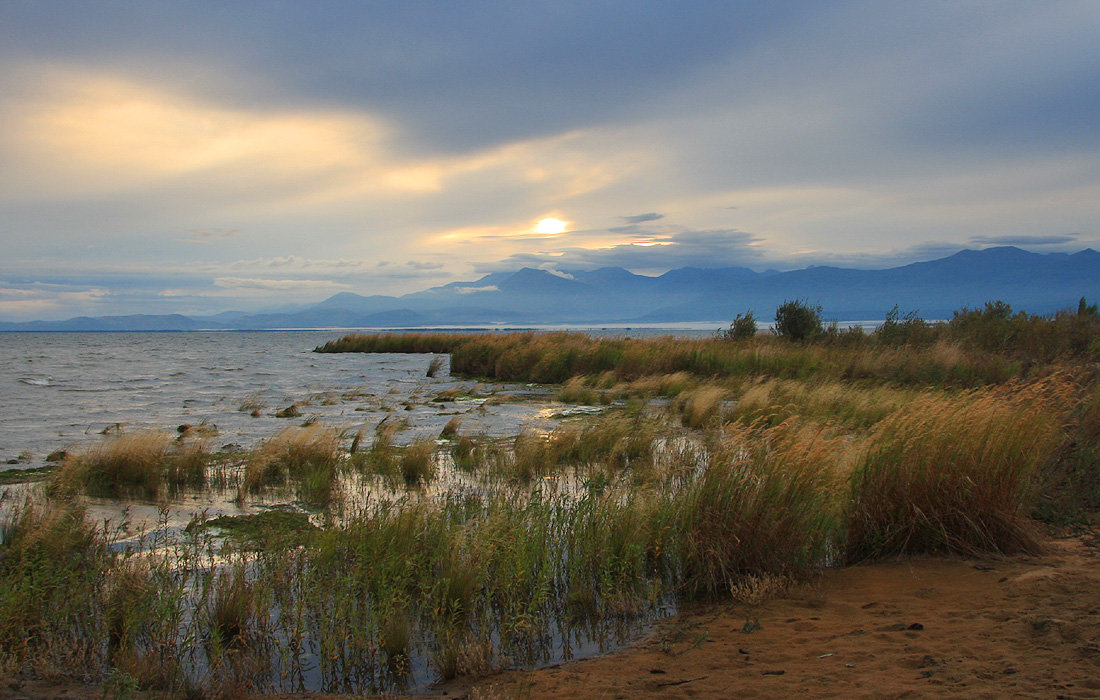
(551, 225)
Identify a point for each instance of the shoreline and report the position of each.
(1022, 626)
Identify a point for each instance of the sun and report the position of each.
(551, 225)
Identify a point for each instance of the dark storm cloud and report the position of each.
(718, 248)
(459, 75)
(1025, 240)
(642, 218)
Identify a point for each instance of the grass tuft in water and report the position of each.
(141, 464)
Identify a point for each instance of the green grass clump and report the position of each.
(23, 476)
(232, 610)
(270, 529)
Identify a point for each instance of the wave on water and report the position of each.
(37, 381)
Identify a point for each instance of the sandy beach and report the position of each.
(1021, 627)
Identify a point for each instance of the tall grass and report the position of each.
(765, 505)
(813, 460)
(1070, 480)
(306, 457)
(701, 406)
(955, 474)
(854, 405)
(142, 464)
(50, 575)
(557, 357)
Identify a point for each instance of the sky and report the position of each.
(198, 157)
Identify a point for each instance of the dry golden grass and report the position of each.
(856, 406)
(132, 464)
(957, 473)
(306, 455)
(765, 506)
(701, 406)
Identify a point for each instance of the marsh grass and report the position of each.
(381, 457)
(1070, 480)
(852, 405)
(23, 476)
(142, 464)
(232, 614)
(765, 506)
(963, 353)
(462, 653)
(417, 463)
(464, 581)
(578, 390)
(435, 366)
(186, 468)
(267, 530)
(51, 572)
(305, 457)
(956, 474)
(827, 454)
(701, 406)
(464, 454)
(616, 441)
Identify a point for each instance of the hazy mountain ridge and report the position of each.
(1037, 283)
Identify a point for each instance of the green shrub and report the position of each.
(742, 328)
(798, 320)
(898, 329)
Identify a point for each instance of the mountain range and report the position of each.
(1037, 283)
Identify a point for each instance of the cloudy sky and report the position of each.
(195, 157)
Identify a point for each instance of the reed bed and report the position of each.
(555, 358)
(456, 584)
(976, 347)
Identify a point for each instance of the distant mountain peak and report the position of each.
(1035, 282)
(529, 280)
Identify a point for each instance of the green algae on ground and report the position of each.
(273, 528)
(23, 476)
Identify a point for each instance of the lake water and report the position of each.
(61, 390)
